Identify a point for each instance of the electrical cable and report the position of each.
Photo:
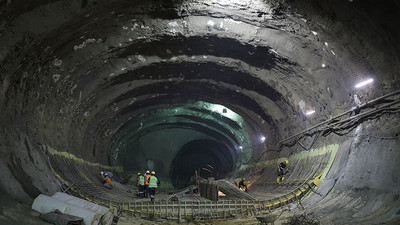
(337, 125)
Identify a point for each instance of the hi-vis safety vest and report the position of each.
(146, 181)
(153, 182)
(108, 180)
(141, 180)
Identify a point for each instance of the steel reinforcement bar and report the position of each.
(200, 210)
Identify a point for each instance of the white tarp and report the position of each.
(73, 206)
(107, 215)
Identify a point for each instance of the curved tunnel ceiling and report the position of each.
(139, 84)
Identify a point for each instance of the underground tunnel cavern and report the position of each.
(226, 87)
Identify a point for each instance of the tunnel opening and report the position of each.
(210, 158)
(158, 139)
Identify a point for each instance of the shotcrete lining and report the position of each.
(210, 39)
(247, 53)
(84, 89)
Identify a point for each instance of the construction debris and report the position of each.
(302, 219)
(267, 218)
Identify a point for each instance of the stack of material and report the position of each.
(209, 190)
(230, 190)
(91, 213)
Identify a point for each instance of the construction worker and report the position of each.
(243, 184)
(140, 184)
(153, 184)
(106, 180)
(146, 183)
(110, 175)
(282, 170)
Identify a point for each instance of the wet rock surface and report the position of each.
(108, 81)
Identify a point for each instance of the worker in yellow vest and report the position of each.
(153, 184)
(140, 184)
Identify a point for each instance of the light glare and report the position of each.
(361, 84)
(310, 112)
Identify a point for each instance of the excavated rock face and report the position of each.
(177, 86)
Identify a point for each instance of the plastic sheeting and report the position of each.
(91, 213)
(107, 215)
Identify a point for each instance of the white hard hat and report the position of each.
(147, 171)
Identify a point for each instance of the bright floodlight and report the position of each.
(240, 147)
(262, 138)
(310, 112)
(361, 84)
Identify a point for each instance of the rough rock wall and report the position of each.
(317, 52)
